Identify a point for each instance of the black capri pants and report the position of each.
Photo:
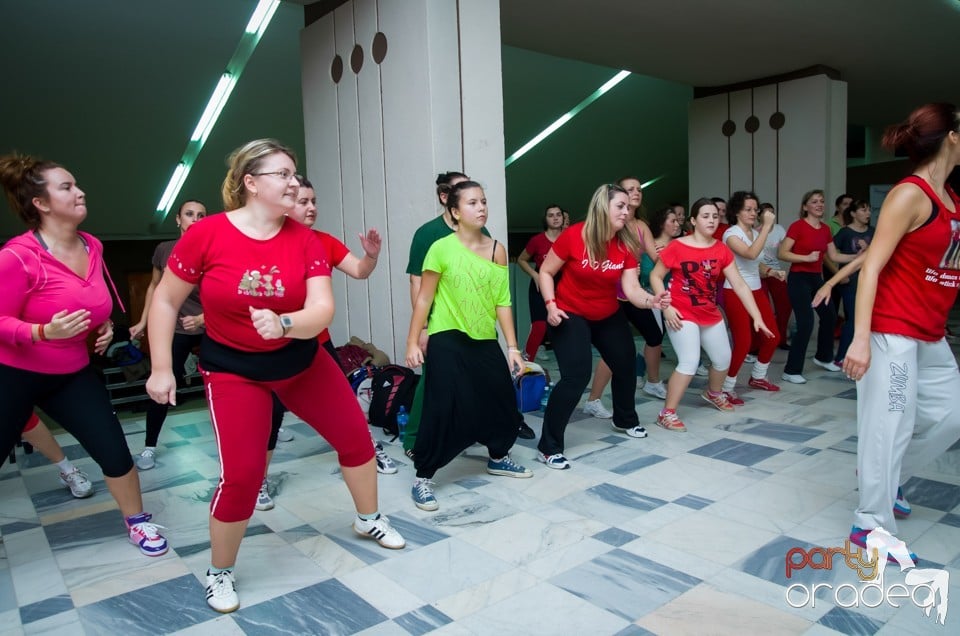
(79, 402)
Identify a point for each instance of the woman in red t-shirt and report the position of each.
(643, 320)
(265, 286)
(808, 240)
(583, 308)
(907, 380)
(695, 264)
(536, 250)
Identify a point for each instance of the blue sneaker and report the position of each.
(506, 467)
(901, 507)
(422, 493)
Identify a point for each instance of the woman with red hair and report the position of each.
(907, 379)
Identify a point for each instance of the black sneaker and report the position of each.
(526, 432)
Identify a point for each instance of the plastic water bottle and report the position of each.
(545, 398)
(402, 419)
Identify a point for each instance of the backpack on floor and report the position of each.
(392, 386)
(352, 357)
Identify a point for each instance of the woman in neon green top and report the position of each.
(468, 393)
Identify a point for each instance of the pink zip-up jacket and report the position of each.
(33, 287)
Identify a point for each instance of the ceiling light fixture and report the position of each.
(573, 112)
(259, 21)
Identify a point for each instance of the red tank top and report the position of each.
(918, 286)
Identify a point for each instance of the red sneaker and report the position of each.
(763, 384)
(733, 398)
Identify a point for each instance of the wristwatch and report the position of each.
(286, 322)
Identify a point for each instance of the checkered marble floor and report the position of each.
(676, 533)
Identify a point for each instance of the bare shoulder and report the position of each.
(907, 200)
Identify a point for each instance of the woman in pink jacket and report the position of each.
(54, 295)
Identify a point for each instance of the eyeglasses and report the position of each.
(286, 175)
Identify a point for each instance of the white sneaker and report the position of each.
(542, 354)
(264, 501)
(79, 484)
(703, 371)
(829, 366)
(379, 530)
(385, 464)
(222, 592)
(656, 389)
(283, 435)
(795, 378)
(146, 459)
(634, 431)
(750, 359)
(596, 409)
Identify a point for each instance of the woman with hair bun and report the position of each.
(54, 296)
(466, 292)
(269, 279)
(907, 379)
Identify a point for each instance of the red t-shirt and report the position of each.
(696, 276)
(337, 252)
(589, 289)
(537, 247)
(917, 287)
(235, 272)
(806, 240)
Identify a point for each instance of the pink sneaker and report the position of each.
(670, 421)
(145, 535)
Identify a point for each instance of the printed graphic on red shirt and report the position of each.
(951, 258)
(260, 282)
(697, 274)
(698, 281)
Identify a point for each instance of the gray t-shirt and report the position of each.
(191, 306)
(768, 256)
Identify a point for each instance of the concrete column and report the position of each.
(416, 92)
(779, 139)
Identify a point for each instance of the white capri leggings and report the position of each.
(687, 343)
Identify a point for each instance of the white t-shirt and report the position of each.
(749, 268)
(768, 256)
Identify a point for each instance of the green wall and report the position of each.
(112, 90)
(637, 128)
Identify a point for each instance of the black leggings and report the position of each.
(183, 344)
(538, 310)
(571, 344)
(276, 416)
(78, 402)
(801, 288)
(645, 322)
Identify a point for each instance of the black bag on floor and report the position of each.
(393, 386)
